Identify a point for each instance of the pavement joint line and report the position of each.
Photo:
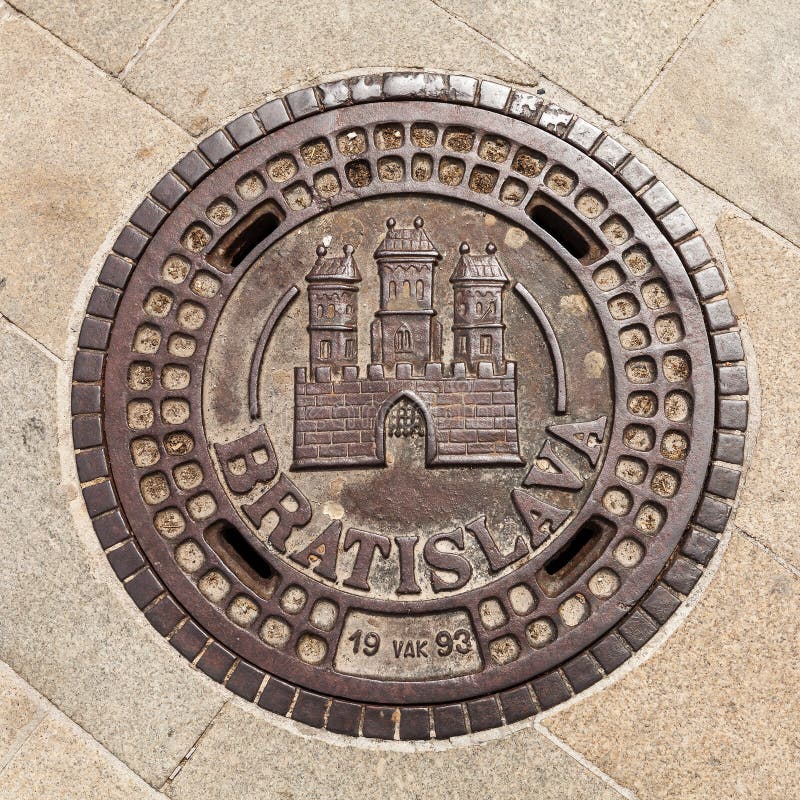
(22, 739)
(151, 37)
(516, 57)
(22, 333)
(623, 791)
(541, 75)
(770, 553)
(27, 730)
(97, 70)
(499, 47)
(191, 751)
(665, 67)
(771, 233)
(700, 182)
(52, 711)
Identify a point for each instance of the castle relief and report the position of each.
(465, 407)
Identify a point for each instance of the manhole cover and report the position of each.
(395, 405)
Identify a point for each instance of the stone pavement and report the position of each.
(98, 100)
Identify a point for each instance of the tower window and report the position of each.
(420, 290)
(331, 310)
(402, 341)
(462, 344)
(479, 308)
(349, 309)
(462, 309)
(492, 308)
(392, 289)
(486, 345)
(349, 348)
(325, 348)
(320, 311)
(406, 288)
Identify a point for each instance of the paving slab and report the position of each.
(607, 53)
(765, 268)
(241, 52)
(107, 33)
(60, 762)
(21, 710)
(244, 755)
(76, 152)
(714, 712)
(724, 110)
(67, 626)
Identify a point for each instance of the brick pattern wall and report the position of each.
(473, 418)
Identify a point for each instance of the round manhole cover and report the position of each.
(395, 402)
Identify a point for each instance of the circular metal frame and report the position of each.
(641, 217)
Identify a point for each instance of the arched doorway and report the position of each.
(405, 434)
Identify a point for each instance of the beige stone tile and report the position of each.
(714, 712)
(67, 626)
(606, 52)
(726, 109)
(244, 755)
(241, 51)
(765, 269)
(60, 762)
(21, 709)
(107, 33)
(76, 152)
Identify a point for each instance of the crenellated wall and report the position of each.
(339, 421)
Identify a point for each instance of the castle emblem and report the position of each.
(466, 410)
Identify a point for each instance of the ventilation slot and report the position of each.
(240, 241)
(576, 238)
(244, 560)
(566, 566)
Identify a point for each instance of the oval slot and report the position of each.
(234, 247)
(566, 566)
(575, 237)
(249, 566)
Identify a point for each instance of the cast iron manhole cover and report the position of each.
(395, 405)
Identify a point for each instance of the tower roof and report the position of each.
(478, 267)
(412, 242)
(342, 268)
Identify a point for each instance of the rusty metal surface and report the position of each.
(408, 406)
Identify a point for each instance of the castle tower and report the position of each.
(478, 329)
(333, 310)
(405, 329)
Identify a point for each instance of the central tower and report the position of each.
(405, 330)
